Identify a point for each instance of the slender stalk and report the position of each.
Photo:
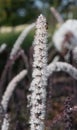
(68, 125)
(3, 47)
(20, 40)
(61, 66)
(10, 88)
(7, 67)
(37, 98)
(57, 15)
(5, 125)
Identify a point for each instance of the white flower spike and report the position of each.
(37, 98)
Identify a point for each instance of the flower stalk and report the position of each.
(10, 88)
(6, 122)
(62, 66)
(37, 97)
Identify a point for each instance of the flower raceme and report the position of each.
(37, 99)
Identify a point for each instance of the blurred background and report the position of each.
(16, 12)
(19, 13)
(15, 16)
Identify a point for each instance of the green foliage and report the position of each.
(55, 3)
(14, 12)
(10, 38)
(2, 16)
(12, 8)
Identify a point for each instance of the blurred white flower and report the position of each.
(65, 38)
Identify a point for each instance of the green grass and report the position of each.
(10, 38)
